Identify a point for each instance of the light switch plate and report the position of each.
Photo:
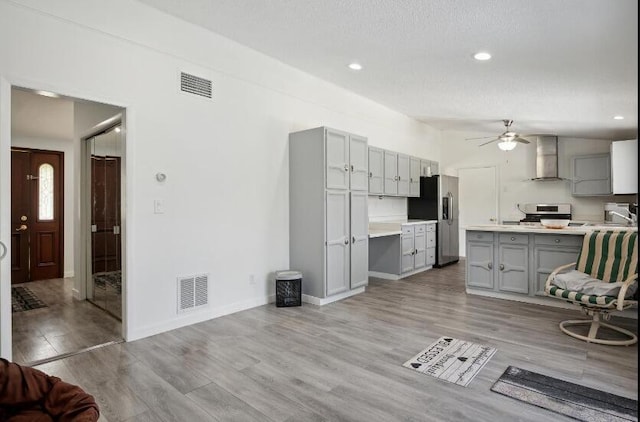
(158, 206)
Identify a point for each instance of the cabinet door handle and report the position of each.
(557, 240)
(501, 267)
(490, 265)
(346, 241)
(351, 168)
(513, 238)
(399, 178)
(370, 174)
(353, 239)
(346, 167)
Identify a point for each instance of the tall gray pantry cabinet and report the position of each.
(328, 217)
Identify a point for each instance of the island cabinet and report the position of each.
(516, 264)
(550, 252)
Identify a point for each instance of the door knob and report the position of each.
(501, 267)
(22, 228)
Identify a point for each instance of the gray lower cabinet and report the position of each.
(513, 263)
(550, 252)
(431, 244)
(480, 271)
(401, 255)
(516, 263)
(408, 249)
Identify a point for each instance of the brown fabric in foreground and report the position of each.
(27, 394)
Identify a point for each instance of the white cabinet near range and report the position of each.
(624, 167)
(376, 171)
(328, 218)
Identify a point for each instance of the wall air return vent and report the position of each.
(193, 292)
(195, 85)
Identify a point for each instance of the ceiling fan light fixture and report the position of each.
(482, 56)
(507, 144)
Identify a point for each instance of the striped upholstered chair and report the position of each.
(604, 279)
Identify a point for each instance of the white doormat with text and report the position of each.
(452, 360)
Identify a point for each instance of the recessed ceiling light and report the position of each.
(355, 66)
(47, 94)
(482, 56)
(618, 117)
(117, 130)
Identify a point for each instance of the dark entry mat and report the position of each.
(23, 299)
(573, 400)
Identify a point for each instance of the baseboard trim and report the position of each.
(388, 276)
(324, 301)
(68, 274)
(76, 294)
(201, 315)
(546, 301)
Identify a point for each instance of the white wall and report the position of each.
(67, 147)
(226, 193)
(516, 167)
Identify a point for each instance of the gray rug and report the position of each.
(573, 400)
(451, 360)
(23, 299)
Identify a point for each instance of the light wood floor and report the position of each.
(65, 325)
(343, 361)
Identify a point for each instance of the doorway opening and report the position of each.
(67, 158)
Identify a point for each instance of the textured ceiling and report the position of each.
(563, 67)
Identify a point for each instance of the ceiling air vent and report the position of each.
(193, 292)
(195, 85)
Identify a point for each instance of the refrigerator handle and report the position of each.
(450, 208)
(445, 208)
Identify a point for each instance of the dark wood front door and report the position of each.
(36, 214)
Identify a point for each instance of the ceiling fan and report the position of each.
(507, 140)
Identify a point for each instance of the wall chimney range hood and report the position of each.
(547, 159)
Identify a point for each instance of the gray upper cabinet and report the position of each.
(337, 159)
(435, 168)
(591, 175)
(414, 176)
(376, 171)
(358, 163)
(403, 175)
(390, 173)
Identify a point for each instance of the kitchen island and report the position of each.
(513, 262)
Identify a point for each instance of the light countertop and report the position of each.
(392, 228)
(531, 229)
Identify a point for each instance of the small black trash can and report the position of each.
(288, 288)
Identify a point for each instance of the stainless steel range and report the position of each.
(536, 212)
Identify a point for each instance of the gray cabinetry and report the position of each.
(435, 168)
(328, 218)
(550, 252)
(390, 173)
(414, 176)
(431, 245)
(403, 175)
(516, 263)
(513, 263)
(420, 246)
(591, 175)
(376, 171)
(480, 271)
(408, 248)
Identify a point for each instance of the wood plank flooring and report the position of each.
(343, 361)
(65, 325)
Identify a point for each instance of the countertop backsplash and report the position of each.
(387, 208)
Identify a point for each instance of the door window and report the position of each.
(45, 192)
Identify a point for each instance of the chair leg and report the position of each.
(595, 325)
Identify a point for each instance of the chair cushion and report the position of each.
(609, 256)
(579, 282)
(579, 297)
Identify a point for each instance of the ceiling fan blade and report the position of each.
(493, 140)
(521, 140)
(475, 139)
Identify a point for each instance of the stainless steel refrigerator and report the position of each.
(439, 201)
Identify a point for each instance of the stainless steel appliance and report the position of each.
(536, 212)
(439, 201)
